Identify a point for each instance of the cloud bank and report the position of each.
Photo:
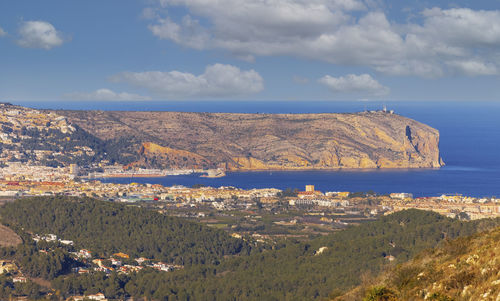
(105, 95)
(2, 32)
(39, 34)
(439, 42)
(217, 81)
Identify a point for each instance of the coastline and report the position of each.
(222, 174)
(133, 176)
(421, 182)
(339, 169)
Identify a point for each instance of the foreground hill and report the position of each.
(263, 141)
(292, 270)
(307, 271)
(463, 269)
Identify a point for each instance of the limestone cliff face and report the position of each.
(269, 141)
(154, 155)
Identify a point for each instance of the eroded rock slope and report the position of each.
(266, 141)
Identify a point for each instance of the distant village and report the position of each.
(30, 150)
(231, 198)
(86, 262)
(119, 262)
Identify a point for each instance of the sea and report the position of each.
(469, 145)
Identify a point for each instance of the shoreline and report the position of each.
(205, 175)
(133, 176)
(337, 169)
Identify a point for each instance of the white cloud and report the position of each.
(241, 23)
(452, 40)
(2, 32)
(39, 34)
(189, 33)
(351, 83)
(217, 81)
(463, 27)
(340, 32)
(106, 95)
(474, 67)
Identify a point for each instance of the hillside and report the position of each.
(107, 228)
(306, 271)
(35, 137)
(463, 269)
(301, 271)
(216, 140)
(264, 141)
(292, 270)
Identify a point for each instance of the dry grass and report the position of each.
(463, 269)
(8, 238)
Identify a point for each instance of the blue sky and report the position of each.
(249, 50)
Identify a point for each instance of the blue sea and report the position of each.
(470, 147)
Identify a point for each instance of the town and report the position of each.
(264, 213)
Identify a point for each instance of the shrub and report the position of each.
(380, 293)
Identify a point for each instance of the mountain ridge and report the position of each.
(239, 142)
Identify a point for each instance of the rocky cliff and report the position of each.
(266, 141)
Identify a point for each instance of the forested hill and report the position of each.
(107, 228)
(301, 271)
(291, 271)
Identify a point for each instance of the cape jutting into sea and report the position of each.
(469, 144)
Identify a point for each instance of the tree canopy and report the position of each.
(106, 228)
(292, 270)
